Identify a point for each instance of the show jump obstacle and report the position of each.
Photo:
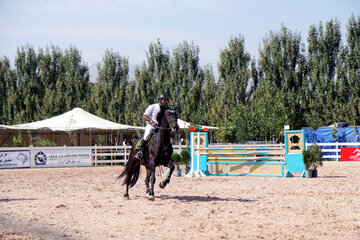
(248, 160)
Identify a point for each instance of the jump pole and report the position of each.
(198, 172)
(193, 172)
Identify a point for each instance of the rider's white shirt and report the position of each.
(153, 111)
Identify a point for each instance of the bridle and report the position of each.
(171, 123)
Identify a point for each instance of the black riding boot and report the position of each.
(140, 146)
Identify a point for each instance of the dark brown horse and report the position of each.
(157, 153)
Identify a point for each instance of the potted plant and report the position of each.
(176, 158)
(185, 156)
(307, 158)
(312, 159)
(317, 158)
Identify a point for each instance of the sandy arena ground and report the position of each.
(87, 203)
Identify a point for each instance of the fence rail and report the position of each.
(116, 154)
(331, 151)
(268, 145)
(100, 155)
(104, 155)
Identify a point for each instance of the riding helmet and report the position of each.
(163, 96)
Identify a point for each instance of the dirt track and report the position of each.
(87, 203)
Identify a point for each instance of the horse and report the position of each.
(158, 152)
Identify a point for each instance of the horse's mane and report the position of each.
(161, 115)
(162, 133)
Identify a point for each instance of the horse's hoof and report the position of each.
(161, 185)
(126, 196)
(151, 198)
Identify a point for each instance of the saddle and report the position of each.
(141, 140)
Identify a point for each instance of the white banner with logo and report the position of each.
(14, 159)
(60, 157)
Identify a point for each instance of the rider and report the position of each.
(151, 117)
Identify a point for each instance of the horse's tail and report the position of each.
(132, 169)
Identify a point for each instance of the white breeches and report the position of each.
(148, 131)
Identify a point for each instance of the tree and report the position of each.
(208, 114)
(143, 92)
(152, 78)
(323, 56)
(187, 79)
(238, 131)
(282, 64)
(131, 105)
(267, 112)
(8, 92)
(76, 79)
(30, 88)
(353, 70)
(234, 75)
(51, 72)
(109, 93)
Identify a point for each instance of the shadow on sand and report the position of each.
(332, 177)
(205, 199)
(16, 199)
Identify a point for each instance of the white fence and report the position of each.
(117, 154)
(100, 155)
(110, 155)
(331, 151)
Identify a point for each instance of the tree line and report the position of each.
(293, 82)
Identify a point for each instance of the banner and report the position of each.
(350, 154)
(14, 159)
(60, 157)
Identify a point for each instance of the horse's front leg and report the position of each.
(167, 179)
(151, 194)
(147, 180)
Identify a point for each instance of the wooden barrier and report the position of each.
(245, 161)
(250, 160)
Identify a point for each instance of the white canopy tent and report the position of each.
(76, 119)
(61, 129)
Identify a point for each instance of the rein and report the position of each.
(163, 128)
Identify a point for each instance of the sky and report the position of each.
(129, 26)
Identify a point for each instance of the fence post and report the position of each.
(111, 157)
(125, 156)
(95, 155)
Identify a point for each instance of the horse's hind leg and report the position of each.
(167, 180)
(126, 194)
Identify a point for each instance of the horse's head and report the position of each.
(172, 118)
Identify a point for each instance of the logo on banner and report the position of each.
(40, 158)
(22, 157)
(356, 152)
(350, 154)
